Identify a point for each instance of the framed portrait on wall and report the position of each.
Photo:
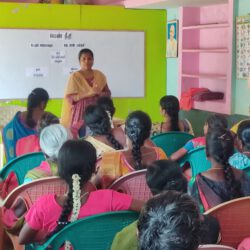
(172, 38)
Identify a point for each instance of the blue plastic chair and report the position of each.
(171, 141)
(92, 233)
(197, 160)
(21, 165)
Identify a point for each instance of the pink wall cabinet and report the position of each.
(205, 53)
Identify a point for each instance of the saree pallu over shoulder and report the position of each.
(77, 89)
(114, 165)
(100, 147)
(12, 132)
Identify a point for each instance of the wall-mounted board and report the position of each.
(45, 58)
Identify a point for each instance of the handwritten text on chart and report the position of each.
(57, 57)
(60, 36)
(37, 72)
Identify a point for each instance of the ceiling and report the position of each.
(165, 4)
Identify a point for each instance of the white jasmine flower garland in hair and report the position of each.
(76, 202)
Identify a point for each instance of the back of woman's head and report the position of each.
(46, 120)
(97, 119)
(76, 164)
(216, 121)
(107, 104)
(170, 104)
(243, 134)
(137, 128)
(76, 157)
(169, 221)
(38, 97)
(52, 138)
(220, 146)
(164, 175)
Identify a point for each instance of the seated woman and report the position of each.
(104, 138)
(137, 156)
(162, 176)
(241, 159)
(106, 102)
(51, 140)
(213, 122)
(24, 123)
(51, 213)
(222, 182)
(170, 111)
(30, 144)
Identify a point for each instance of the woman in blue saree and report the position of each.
(24, 123)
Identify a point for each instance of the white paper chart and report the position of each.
(243, 46)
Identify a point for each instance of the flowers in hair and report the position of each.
(76, 195)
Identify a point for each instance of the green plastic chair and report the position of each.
(92, 233)
(197, 160)
(21, 165)
(171, 141)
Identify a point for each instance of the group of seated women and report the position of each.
(108, 152)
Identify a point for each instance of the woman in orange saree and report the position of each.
(83, 88)
(137, 156)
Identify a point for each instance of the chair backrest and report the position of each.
(133, 184)
(171, 141)
(233, 217)
(33, 190)
(215, 247)
(21, 165)
(94, 232)
(197, 160)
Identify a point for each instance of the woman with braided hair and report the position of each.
(222, 182)
(169, 108)
(104, 138)
(51, 213)
(136, 156)
(24, 123)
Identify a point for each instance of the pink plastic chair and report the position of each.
(133, 184)
(31, 191)
(215, 247)
(233, 217)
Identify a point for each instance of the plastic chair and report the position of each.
(31, 191)
(94, 232)
(215, 247)
(21, 165)
(171, 141)
(133, 184)
(233, 217)
(197, 160)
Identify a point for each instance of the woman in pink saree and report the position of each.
(84, 87)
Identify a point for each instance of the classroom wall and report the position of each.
(172, 63)
(240, 92)
(53, 16)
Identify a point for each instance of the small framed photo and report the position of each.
(172, 38)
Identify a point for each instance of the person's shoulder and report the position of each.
(98, 73)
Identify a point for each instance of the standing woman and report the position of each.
(25, 123)
(84, 87)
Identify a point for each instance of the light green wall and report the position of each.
(172, 63)
(54, 16)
